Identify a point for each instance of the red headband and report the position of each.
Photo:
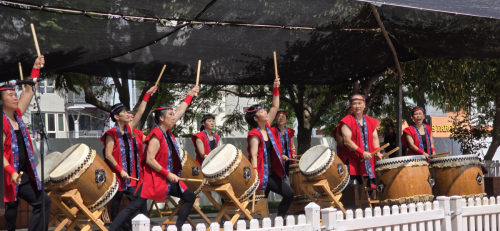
(254, 110)
(282, 112)
(163, 108)
(6, 88)
(416, 109)
(352, 99)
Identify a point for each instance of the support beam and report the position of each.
(399, 101)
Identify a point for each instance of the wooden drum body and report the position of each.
(48, 162)
(319, 162)
(80, 168)
(227, 164)
(191, 170)
(296, 178)
(457, 176)
(404, 180)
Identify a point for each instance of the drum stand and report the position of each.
(76, 212)
(234, 206)
(176, 210)
(326, 197)
(366, 194)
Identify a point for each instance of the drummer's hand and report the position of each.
(433, 153)
(294, 155)
(426, 155)
(39, 62)
(367, 155)
(276, 82)
(195, 90)
(284, 157)
(172, 178)
(379, 156)
(152, 90)
(16, 178)
(124, 175)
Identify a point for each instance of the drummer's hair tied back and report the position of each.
(250, 114)
(204, 118)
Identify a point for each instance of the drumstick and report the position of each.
(275, 65)
(390, 152)
(198, 75)
(159, 77)
(21, 73)
(193, 180)
(253, 201)
(132, 178)
(296, 160)
(375, 152)
(36, 41)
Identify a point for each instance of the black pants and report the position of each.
(117, 199)
(126, 214)
(29, 192)
(279, 186)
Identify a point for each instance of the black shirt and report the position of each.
(127, 151)
(269, 148)
(212, 144)
(424, 141)
(23, 156)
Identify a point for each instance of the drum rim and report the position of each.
(223, 168)
(107, 196)
(47, 176)
(455, 158)
(321, 166)
(70, 176)
(398, 159)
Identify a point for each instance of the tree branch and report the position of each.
(92, 99)
(247, 95)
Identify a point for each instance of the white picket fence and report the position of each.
(444, 214)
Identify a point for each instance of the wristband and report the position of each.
(420, 151)
(164, 172)
(188, 99)
(293, 152)
(146, 97)
(360, 150)
(10, 170)
(118, 168)
(276, 91)
(35, 72)
(432, 149)
(255, 168)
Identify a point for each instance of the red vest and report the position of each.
(118, 156)
(206, 144)
(277, 167)
(154, 184)
(10, 188)
(414, 135)
(356, 167)
(291, 133)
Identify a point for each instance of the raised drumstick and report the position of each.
(36, 42)
(375, 152)
(159, 77)
(390, 152)
(275, 65)
(198, 75)
(21, 73)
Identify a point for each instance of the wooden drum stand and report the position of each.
(326, 197)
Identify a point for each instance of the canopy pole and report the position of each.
(399, 107)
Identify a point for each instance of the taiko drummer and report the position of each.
(418, 137)
(19, 158)
(119, 152)
(264, 150)
(205, 141)
(286, 138)
(360, 138)
(161, 167)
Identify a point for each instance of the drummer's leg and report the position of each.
(11, 214)
(280, 187)
(130, 195)
(189, 197)
(115, 204)
(127, 213)
(29, 192)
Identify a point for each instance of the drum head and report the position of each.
(219, 159)
(314, 159)
(48, 162)
(70, 161)
(454, 158)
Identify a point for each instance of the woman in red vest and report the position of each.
(264, 151)
(161, 167)
(119, 152)
(285, 135)
(418, 137)
(21, 180)
(205, 141)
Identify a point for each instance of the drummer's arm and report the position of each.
(201, 148)
(376, 143)
(254, 150)
(142, 107)
(181, 109)
(153, 147)
(347, 134)
(276, 100)
(108, 154)
(294, 154)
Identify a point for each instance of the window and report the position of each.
(54, 122)
(60, 119)
(84, 121)
(46, 86)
